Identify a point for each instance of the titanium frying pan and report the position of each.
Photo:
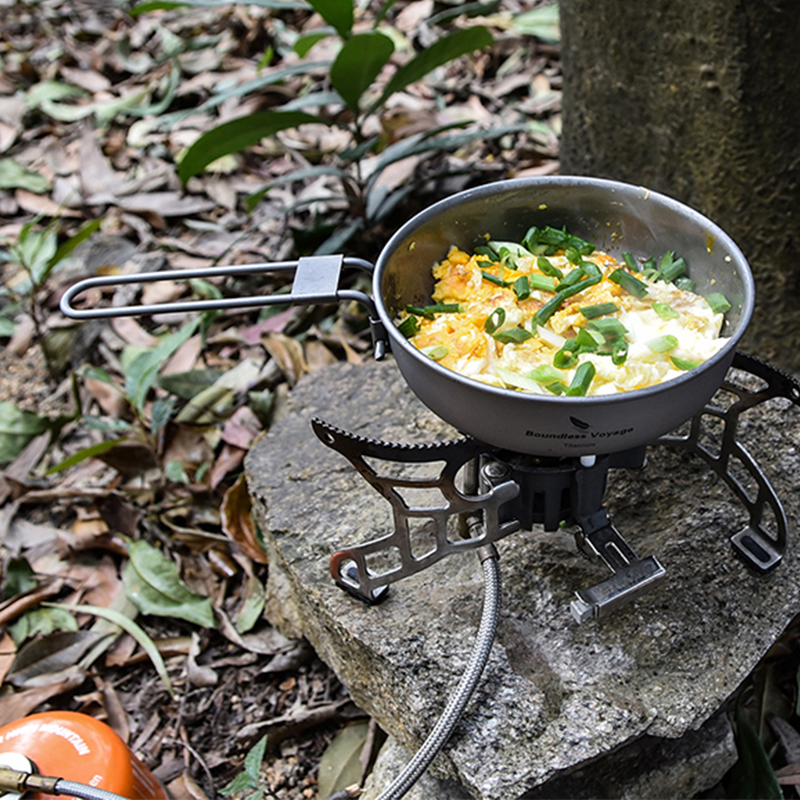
(615, 216)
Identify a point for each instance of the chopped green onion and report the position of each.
(572, 278)
(600, 310)
(556, 387)
(548, 309)
(572, 255)
(513, 336)
(579, 287)
(541, 282)
(522, 288)
(670, 267)
(565, 359)
(682, 363)
(591, 269)
(553, 237)
(437, 352)
(582, 380)
(610, 327)
(545, 374)
(661, 344)
(687, 284)
(629, 283)
(630, 262)
(588, 341)
(485, 250)
(439, 308)
(548, 269)
(493, 278)
(665, 311)
(409, 327)
(494, 320)
(718, 302)
(620, 353)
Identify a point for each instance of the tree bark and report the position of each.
(700, 100)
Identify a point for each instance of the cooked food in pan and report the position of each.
(552, 315)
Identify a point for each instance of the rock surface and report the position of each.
(555, 695)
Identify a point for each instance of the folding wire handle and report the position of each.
(316, 282)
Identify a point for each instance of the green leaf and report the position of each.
(41, 622)
(236, 135)
(249, 778)
(141, 365)
(17, 428)
(295, 175)
(358, 64)
(541, 22)
(87, 452)
(15, 176)
(752, 775)
(305, 42)
(130, 627)
(35, 251)
(187, 385)
(154, 585)
(337, 13)
(442, 52)
(7, 327)
(84, 232)
(250, 612)
(19, 578)
(340, 765)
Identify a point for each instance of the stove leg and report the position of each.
(599, 539)
(631, 574)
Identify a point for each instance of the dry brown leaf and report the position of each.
(161, 292)
(237, 521)
(116, 718)
(87, 79)
(164, 204)
(21, 704)
(41, 204)
(130, 457)
(184, 786)
(198, 675)
(318, 355)
(8, 652)
(131, 332)
(288, 355)
(242, 427)
(11, 609)
(185, 357)
(188, 446)
(119, 654)
(96, 173)
(108, 396)
(228, 460)
(8, 135)
(274, 324)
(24, 331)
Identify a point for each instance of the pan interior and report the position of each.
(615, 217)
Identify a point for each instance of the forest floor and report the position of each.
(122, 440)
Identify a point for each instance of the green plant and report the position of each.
(38, 252)
(355, 95)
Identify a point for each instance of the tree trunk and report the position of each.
(699, 99)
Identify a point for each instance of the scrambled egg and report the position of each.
(512, 322)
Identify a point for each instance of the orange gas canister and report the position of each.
(79, 748)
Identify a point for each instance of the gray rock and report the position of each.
(555, 696)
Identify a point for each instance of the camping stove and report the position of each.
(473, 494)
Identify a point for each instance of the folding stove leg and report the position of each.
(631, 574)
(599, 539)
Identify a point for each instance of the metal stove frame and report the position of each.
(502, 492)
